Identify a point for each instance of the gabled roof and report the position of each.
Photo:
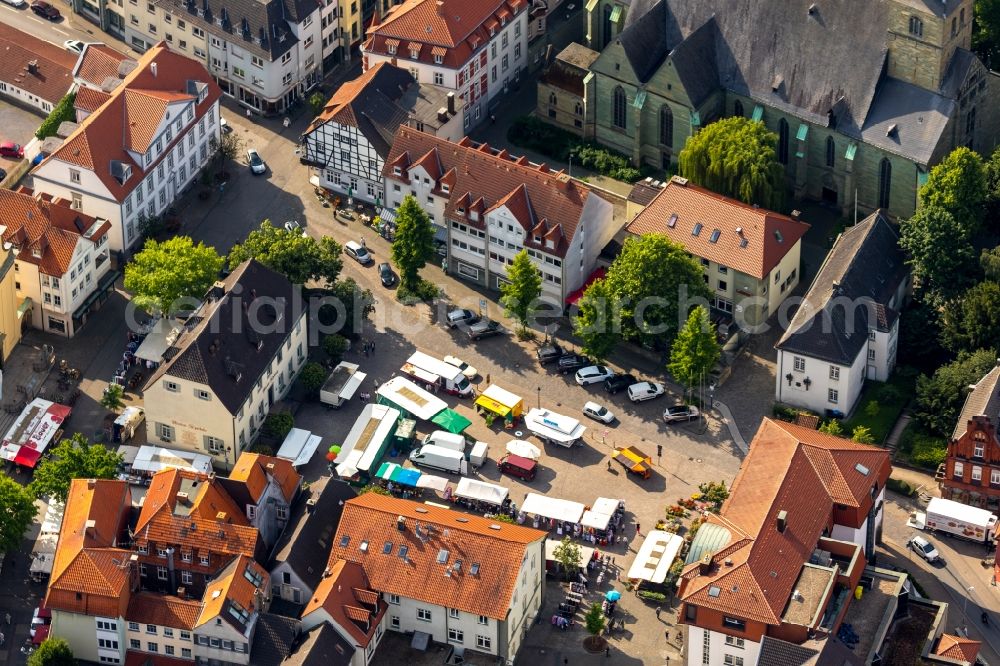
(850, 294)
(232, 591)
(643, 38)
(763, 239)
(789, 468)
(253, 469)
(482, 173)
(347, 596)
(89, 99)
(128, 119)
(164, 610)
(983, 400)
(228, 358)
(268, 34)
(569, 68)
(482, 557)
(51, 76)
(97, 64)
(273, 639)
(956, 647)
(305, 543)
(321, 646)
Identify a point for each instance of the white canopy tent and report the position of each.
(519, 447)
(153, 459)
(599, 521)
(657, 553)
(481, 491)
(349, 466)
(299, 446)
(554, 508)
(586, 552)
(163, 334)
(606, 505)
(438, 483)
(406, 395)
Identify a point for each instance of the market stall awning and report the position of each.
(157, 340)
(349, 467)
(599, 521)
(552, 507)
(392, 472)
(481, 491)
(26, 457)
(299, 446)
(491, 405)
(656, 554)
(451, 421)
(438, 483)
(606, 505)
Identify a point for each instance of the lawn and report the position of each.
(881, 405)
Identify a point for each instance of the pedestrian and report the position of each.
(286, 122)
(658, 611)
(487, 378)
(249, 115)
(607, 652)
(363, 242)
(609, 464)
(372, 345)
(7, 617)
(638, 532)
(3, 639)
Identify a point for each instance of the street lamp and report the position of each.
(228, 450)
(539, 390)
(965, 602)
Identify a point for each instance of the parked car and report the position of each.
(12, 150)
(618, 382)
(467, 370)
(41, 617)
(224, 125)
(460, 316)
(295, 227)
(598, 412)
(485, 328)
(74, 45)
(680, 413)
(924, 548)
(45, 10)
(358, 252)
(644, 391)
(15, 3)
(3, 175)
(549, 352)
(593, 374)
(386, 275)
(570, 362)
(522, 468)
(257, 165)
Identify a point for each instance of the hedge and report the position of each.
(922, 448)
(60, 113)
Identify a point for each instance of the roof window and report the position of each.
(778, 237)
(344, 540)
(475, 569)
(861, 468)
(672, 222)
(442, 557)
(697, 229)
(715, 236)
(387, 548)
(714, 591)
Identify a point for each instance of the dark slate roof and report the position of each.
(863, 270)
(321, 646)
(269, 35)
(907, 120)
(305, 543)
(958, 69)
(983, 400)
(209, 350)
(273, 640)
(642, 37)
(694, 60)
(775, 652)
(644, 192)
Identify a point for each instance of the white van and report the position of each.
(438, 457)
(445, 440)
(480, 452)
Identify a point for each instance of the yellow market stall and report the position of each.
(501, 402)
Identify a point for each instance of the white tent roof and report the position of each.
(501, 395)
(551, 507)
(605, 505)
(586, 552)
(599, 521)
(128, 453)
(157, 341)
(366, 437)
(438, 483)
(349, 466)
(155, 458)
(299, 446)
(480, 490)
(552, 426)
(657, 553)
(401, 391)
(519, 447)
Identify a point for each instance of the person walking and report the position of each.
(7, 617)
(658, 611)
(487, 378)
(638, 531)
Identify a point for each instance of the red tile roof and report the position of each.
(253, 470)
(789, 468)
(98, 63)
(495, 550)
(50, 226)
(89, 99)
(233, 586)
(131, 116)
(693, 205)
(547, 203)
(164, 610)
(457, 26)
(346, 596)
(53, 74)
(956, 647)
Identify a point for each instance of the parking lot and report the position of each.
(18, 125)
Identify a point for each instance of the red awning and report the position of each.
(598, 274)
(27, 457)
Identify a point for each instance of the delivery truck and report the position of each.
(438, 457)
(957, 519)
(476, 454)
(435, 372)
(341, 385)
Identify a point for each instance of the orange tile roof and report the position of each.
(695, 205)
(481, 179)
(53, 76)
(131, 115)
(791, 468)
(253, 469)
(346, 596)
(51, 226)
(497, 549)
(233, 586)
(89, 99)
(98, 63)
(956, 647)
(164, 610)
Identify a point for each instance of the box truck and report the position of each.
(446, 440)
(438, 457)
(435, 372)
(957, 519)
(341, 385)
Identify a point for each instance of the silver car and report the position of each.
(257, 165)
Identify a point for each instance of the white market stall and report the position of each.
(598, 521)
(367, 441)
(657, 552)
(552, 508)
(438, 483)
(409, 398)
(553, 427)
(586, 552)
(519, 447)
(481, 491)
(607, 506)
(152, 459)
(163, 334)
(299, 446)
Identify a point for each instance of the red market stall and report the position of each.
(35, 428)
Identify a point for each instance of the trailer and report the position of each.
(367, 441)
(341, 385)
(435, 372)
(556, 428)
(634, 460)
(957, 519)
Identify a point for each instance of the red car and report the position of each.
(11, 149)
(45, 10)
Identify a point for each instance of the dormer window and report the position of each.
(396, 171)
(438, 59)
(473, 215)
(414, 53)
(461, 210)
(445, 188)
(36, 252)
(550, 244)
(503, 20)
(538, 239)
(493, 31)
(391, 48)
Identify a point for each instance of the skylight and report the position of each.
(744, 242)
(715, 236)
(475, 569)
(387, 548)
(442, 557)
(697, 229)
(403, 550)
(861, 468)
(344, 540)
(363, 547)
(672, 222)
(778, 237)
(714, 591)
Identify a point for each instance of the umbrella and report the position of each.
(613, 595)
(519, 447)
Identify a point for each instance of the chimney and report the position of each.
(796, 214)
(91, 483)
(152, 68)
(90, 526)
(401, 524)
(183, 498)
(679, 181)
(782, 520)
(440, 7)
(442, 115)
(310, 505)
(705, 564)
(451, 103)
(33, 67)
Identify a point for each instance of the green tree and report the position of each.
(569, 556)
(17, 510)
(353, 306)
(696, 349)
(919, 335)
(113, 398)
(986, 32)
(958, 185)
(941, 253)
(413, 245)
(873, 408)
(940, 396)
(989, 261)
(52, 652)
(650, 279)
(597, 323)
(736, 157)
(316, 102)
(335, 346)
(227, 148)
(73, 458)
(594, 620)
(171, 276)
(313, 376)
(973, 320)
(298, 257)
(519, 296)
(278, 424)
(862, 435)
(832, 427)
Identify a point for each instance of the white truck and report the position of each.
(438, 457)
(956, 519)
(341, 385)
(441, 438)
(435, 372)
